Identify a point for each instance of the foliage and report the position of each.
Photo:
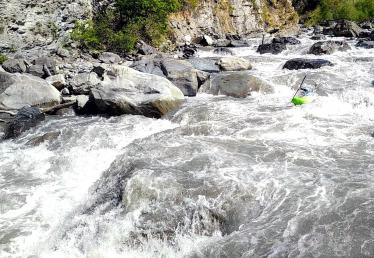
(3, 58)
(355, 10)
(120, 28)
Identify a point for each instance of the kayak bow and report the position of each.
(300, 100)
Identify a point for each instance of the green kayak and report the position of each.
(297, 101)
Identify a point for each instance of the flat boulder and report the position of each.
(237, 85)
(271, 48)
(234, 64)
(328, 47)
(301, 63)
(365, 44)
(182, 74)
(127, 91)
(26, 118)
(15, 66)
(17, 91)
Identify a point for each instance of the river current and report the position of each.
(219, 177)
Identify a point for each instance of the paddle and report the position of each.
(299, 87)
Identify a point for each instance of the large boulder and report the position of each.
(301, 63)
(234, 64)
(272, 48)
(49, 65)
(238, 85)
(328, 47)
(26, 118)
(365, 44)
(109, 58)
(182, 74)
(17, 91)
(127, 91)
(58, 81)
(83, 82)
(344, 28)
(15, 66)
(149, 65)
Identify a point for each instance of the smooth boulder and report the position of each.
(127, 91)
(328, 47)
(17, 91)
(301, 63)
(26, 118)
(234, 64)
(237, 85)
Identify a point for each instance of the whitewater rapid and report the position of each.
(219, 177)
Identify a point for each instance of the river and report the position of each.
(219, 177)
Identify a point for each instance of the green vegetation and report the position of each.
(118, 29)
(3, 58)
(355, 10)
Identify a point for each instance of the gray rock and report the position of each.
(127, 91)
(109, 58)
(318, 37)
(222, 43)
(238, 85)
(26, 118)
(65, 91)
(328, 47)
(272, 48)
(63, 52)
(223, 51)
(365, 44)
(234, 64)
(205, 64)
(49, 65)
(145, 49)
(83, 82)
(206, 40)
(17, 91)
(346, 28)
(36, 70)
(82, 101)
(286, 40)
(301, 63)
(238, 43)
(182, 74)
(47, 137)
(15, 66)
(149, 65)
(58, 81)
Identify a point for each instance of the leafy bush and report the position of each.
(3, 58)
(355, 10)
(120, 28)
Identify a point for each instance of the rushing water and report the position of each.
(220, 177)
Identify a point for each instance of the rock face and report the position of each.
(26, 118)
(19, 90)
(328, 47)
(235, 17)
(234, 64)
(300, 63)
(237, 85)
(127, 91)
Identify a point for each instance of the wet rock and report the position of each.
(272, 48)
(286, 40)
(109, 58)
(344, 28)
(17, 91)
(83, 82)
(58, 81)
(223, 51)
(49, 65)
(188, 51)
(367, 25)
(15, 66)
(238, 85)
(238, 43)
(206, 40)
(26, 118)
(301, 63)
(127, 91)
(328, 47)
(234, 64)
(182, 74)
(318, 37)
(145, 49)
(47, 137)
(222, 43)
(205, 64)
(365, 44)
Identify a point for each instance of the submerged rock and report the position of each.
(19, 90)
(26, 118)
(44, 138)
(234, 64)
(301, 63)
(328, 47)
(127, 91)
(238, 85)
